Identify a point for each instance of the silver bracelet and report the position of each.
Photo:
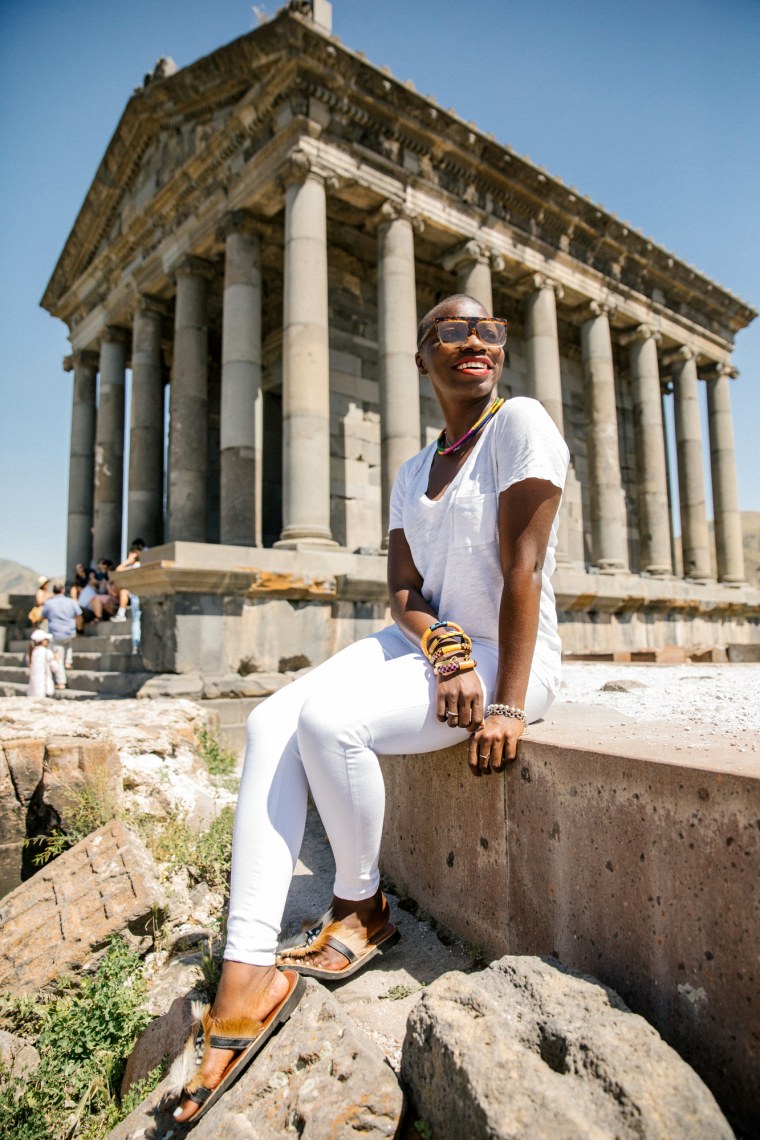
(508, 710)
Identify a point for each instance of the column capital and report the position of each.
(679, 356)
(535, 282)
(146, 303)
(392, 210)
(640, 332)
(716, 369)
(298, 166)
(472, 250)
(113, 334)
(193, 266)
(596, 309)
(81, 357)
(240, 222)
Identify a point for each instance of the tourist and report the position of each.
(42, 593)
(63, 616)
(131, 562)
(81, 578)
(473, 522)
(45, 672)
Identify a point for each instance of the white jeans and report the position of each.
(324, 732)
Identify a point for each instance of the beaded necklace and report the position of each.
(440, 445)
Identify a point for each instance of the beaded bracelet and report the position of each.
(508, 710)
(451, 668)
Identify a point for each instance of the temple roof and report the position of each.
(187, 135)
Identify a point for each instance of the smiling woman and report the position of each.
(473, 656)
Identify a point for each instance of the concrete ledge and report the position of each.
(623, 857)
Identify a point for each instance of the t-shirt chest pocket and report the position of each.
(475, 520)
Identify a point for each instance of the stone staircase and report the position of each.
(104, 666)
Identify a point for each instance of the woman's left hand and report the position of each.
(494, 745)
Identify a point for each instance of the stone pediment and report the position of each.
(185, 140)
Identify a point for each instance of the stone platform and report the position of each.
(609, 848)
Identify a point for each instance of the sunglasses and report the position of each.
(490, 331)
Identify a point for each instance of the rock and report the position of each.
(164, 1039)
(623, 686)
(21, 769)
(18, 1057)
(319, 1077)
(172, 685)
(72, 763)
(247, 685)
(739, 652)
(107, 884)
(527, 1048)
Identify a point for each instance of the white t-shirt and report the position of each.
(455, 540)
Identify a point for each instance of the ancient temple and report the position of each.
(263, 233)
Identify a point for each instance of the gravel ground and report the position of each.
(724, 698)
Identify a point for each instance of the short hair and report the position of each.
(57, 587)
(137, 544)
(431, 314)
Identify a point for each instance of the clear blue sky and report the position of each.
(651, 108)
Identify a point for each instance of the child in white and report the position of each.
(45, 672)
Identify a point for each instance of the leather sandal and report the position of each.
(355, 948)
(242, 1033)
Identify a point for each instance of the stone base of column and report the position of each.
(735, 582)
(306, 542)
(611, 566)
(658, 571)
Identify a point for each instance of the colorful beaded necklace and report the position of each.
(440, 445)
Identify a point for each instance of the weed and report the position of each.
(220, 761)
(211, 971)
(87, 806)
(398, 993)
(424, 1129)
(83, 1034)
(207, 855)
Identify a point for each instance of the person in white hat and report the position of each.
(45, 673)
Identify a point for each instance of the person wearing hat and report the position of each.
(45, 672)
(42, 594)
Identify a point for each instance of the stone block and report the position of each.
(25, 760)
(319, 1071)
(74, 762)
(251, 685)
(527, 1048)
(188, 685)
(664, 655)
(737, 652)
(51, 924)
(716, 654)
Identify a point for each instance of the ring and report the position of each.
(456, 714)
(482, 757)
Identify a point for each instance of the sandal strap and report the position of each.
(336, 944)
(199, 1095)
(218, 1042)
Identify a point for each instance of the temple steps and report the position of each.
(103, 666)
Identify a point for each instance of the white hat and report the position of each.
(41, 580)
(40, 635)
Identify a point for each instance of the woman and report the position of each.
(472, 536)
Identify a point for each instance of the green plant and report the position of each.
(424, 1129)
(207, 855)
(87, 806)
(83, 1034)
(398, 993)
(220, 761)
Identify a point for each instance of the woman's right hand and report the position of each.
(459, 700)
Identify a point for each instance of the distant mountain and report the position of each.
(17, 579)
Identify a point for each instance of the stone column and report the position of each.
(691, 484)
(109, 447)
(473, 263)
(241, 409)
(145, 497)
(305, 360)
(81, 458)
(397, 344)
(649, 444)
(544, 377)
(729, 546)
(608, 520)
(188, 406)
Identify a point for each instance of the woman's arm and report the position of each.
(526, 513)
(459, 699)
